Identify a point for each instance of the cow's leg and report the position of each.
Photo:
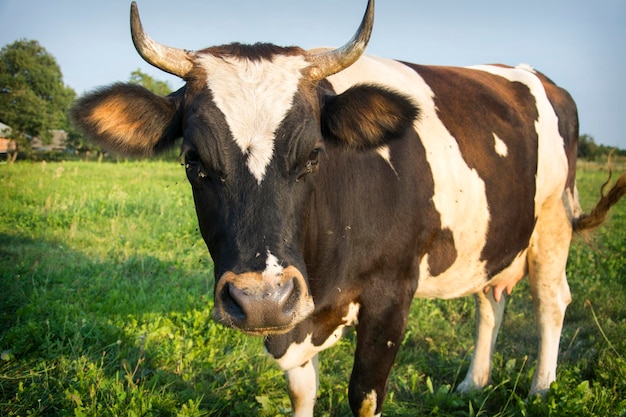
(379, 335)
(550, 291)
(303, 383)
(296, 353)
(300, 362)
(489, 314)
(550, 302)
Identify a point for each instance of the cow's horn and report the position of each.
(325, 64)
(172, 60)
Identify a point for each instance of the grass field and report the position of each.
(106, 294)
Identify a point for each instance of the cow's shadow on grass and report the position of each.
(92, 333)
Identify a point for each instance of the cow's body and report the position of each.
(432, 215)
(331, 197)
(473, 126)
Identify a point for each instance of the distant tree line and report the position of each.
(34, 102)
(588, 149)
(33, 99)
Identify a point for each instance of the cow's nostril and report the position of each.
(291, 302)
(233, 298)
(283, 293)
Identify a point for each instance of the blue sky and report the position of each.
(580, 44)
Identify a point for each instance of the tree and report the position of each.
(33, 97)
(79, 144)
(588, 149)
(161, 88)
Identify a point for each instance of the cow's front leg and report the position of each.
(303, 383)
(297, 356)
(379, 335)
(296, 353)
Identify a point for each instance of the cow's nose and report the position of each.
(272, 298)
(258, 304)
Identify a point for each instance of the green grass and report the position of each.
(106, 294)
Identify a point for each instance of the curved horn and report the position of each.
(172, 60)
(328, 63)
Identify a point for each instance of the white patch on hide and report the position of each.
(552, 164)
(385, 153)
(460, 195)
(368, 406)
(298, 353)
(500, 146)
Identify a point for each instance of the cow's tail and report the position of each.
(588, 222)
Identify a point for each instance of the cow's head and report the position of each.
(255, 120)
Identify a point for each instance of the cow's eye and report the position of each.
(196, 169)
(193, 165)
(311, 163)
(191, 158)
(313, 159)
(192, 162)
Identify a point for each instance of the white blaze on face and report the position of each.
(254, 97)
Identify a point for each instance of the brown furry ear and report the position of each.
(367, 116)
(128, 119)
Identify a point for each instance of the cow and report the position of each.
(332, 187)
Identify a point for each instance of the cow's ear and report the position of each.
(366, 116)
(129, 119)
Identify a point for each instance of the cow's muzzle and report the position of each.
(261, 305)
